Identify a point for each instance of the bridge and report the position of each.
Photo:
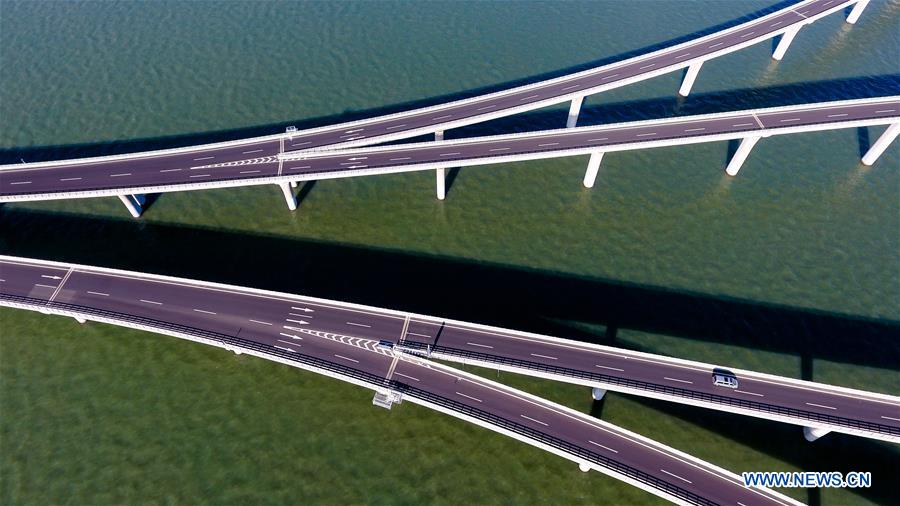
(341, 340)
(130, 176)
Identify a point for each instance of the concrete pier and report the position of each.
(593, 167)
(584, 467)
(574, 111)
(288, 196)
(440, 174)
(811, 434)
(80, 319)
(740, 155)
(597, 393)
(689, 78)
(133, 204)
(294, 184)
(857, 11)
(881, 144)
(784, 43)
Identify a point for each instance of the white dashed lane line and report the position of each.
(406, 376)
(204, 158)
(359, 325)
(820, 405)
(676, 476)
(469, 397)
(260, 322)
(678, 380)
(749, 393)
(602, 446)
(480, 345)
(545, 424)
(610, 368)
(120, 175)
(203, 311)
(347, 358)
(543, 356)
(151, 302)
(98, 293)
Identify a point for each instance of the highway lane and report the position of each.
(343, 335)
(485, 150)
(161, 169)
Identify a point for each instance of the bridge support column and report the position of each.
(740, 155)
(597, 393)
(440, 174)
(584, 467)
(689, 78)
(857, 11)
(881, 144)
(593, 167)
(811, 433)
(785, 42)
(574, 110)
(293, 184)
(133, 204)
(288, 196)
(80, 319)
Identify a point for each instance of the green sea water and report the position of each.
(792, 267)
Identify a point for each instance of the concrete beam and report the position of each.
(740, 155)
(294, 184)
(132, 204)
(288, 196)
(593, 167)
(440, 174)
(784, 43)
(574, 110)
(881, 144)
(811, 433)
(689, 78)
(857, 11)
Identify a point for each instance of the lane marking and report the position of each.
(885, 110)
(251, 151)
(98, 293)
(449, 154)
(837, 115)
(469, 397)
(679, 380)
(695, 129)
(300, 315)
(395, 126)
(716, 45)
(536, 421)
(480, 345)
(21, 182)
(299, 167)
(304, 309)
(610, 368)
(758, 122)
(820, 405)
(201, 175)
(890, 418)
(773, 25)
(543, 356)
(346, 358)
(203, 311)
(249, 171)
(486, 107)
(609, 77)
(529, 97)
(676, 476)
(442, 117)
(788, 120)
(406, 376)
(645, 135)
(290, 343)
(647, 66)
(301, 322)
(398, 159)
(170, 170)
(354, 131)
(747, 34)
(359, 325)
(204, 158)
(285, 349)
(120, 175)
(683, 55)
(260, 322)
(151, 302)
(50, 277)
(742, 124)
(603, 446)
(70, 179)
(292, 336)
(749, 393)
(44, 286)
(415, 334)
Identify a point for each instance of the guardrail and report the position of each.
(377, 382)
(424, 349)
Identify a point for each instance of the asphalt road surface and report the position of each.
(297, 328)
(261, 160)
(154, 169)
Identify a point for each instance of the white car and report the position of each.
(724, 378)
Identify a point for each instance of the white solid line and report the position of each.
(449, 154)
(415, 334)
(480, 345)
(609, 77)
(290, 335)
(820, 405)
(170, 170)
(528, 98)
(645, 135)
(611, 368)
(359, 324)
(406, 376)
(203, 311)
(603, 446)
(742, 124)
(201, 175)
(486, 107)
(249, 171)
(890, 418)
(543, 356)
(251, 151)
(151, 302)
(45, 286)
(204, 158)
(647, 66)
(21, 182)
(285, 349)
(346, 358)
(749, 393)
(837, 115)
(679, 380)
(675, 475)
(549, 144)
(70, 179)
(98, 293)
(695, 129)
(533, 420)
(120, 175)
(442, 117)
(499, 149)
(395, 126)
(398, 159)
(469, 397)
(716, 45)
(571, 87)
(260, 322)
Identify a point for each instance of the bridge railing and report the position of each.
(608, 379)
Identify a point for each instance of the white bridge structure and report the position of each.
(130, 176)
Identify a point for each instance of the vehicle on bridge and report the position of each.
(724, 378)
